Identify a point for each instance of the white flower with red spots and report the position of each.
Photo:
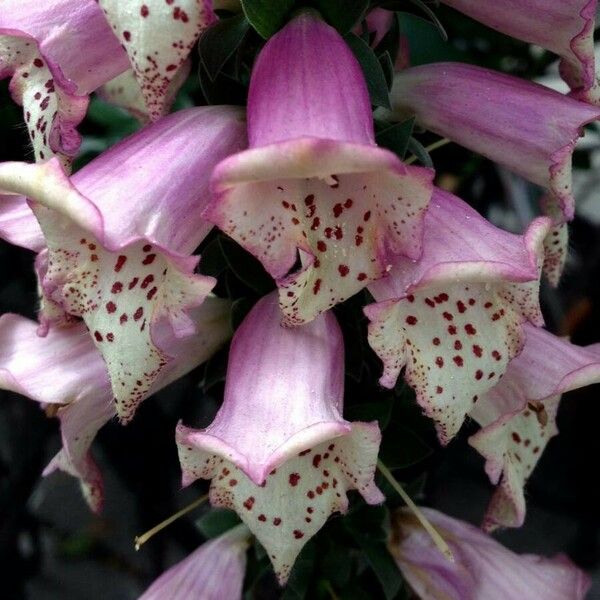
(279, 452)
(119, 239)
(454, 318)
(313, 186)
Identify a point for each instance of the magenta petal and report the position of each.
(279, 452)
(518, 416)
(56, 56)
(508, 120)
(454, 318)
(565, 27)
(215, 571)
(313, 184)
(121, 265)
(483, 568)
(18, 224)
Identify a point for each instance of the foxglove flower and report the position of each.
(313, 184)
(119, 241)
(523, 126)
(454, 318)
(482, 569)
(518, 416)
(566, 28)
(65, 372)
(215, 571)
(158, 36)
(56, 53)
(279, 452)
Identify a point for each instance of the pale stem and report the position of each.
(411, 159)
(142, 539)
(438, 540)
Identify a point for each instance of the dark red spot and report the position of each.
(358, 240)
(457, 345)
(516, 437)
(138, 314)
(315, 224)
(447, 316)
(316, 460)
(262, 518)
(111, 307)
(309, 199)
(147, 248)
(458, 361)
(488, 305)
(98, 336)
(144, 11)
(38, 62)
(133, 283)
(149, 259)
(298, 534)
(367, 215)
(147, 281)
(120, 262)
(151, 293)
(338, 209)
(276, 521)
(170, 67)
(436, 341)
(232, 482)
(348, 203)
(411, 320)
(117, 287)
(439, 361)
(452, 329)
(478, 374)
(470, 329)
(461, 306)
(477, 351)
(110, 337)
(429, 302)
(294, 479)
(123, 319)
(344, 270)
(496, 355)
(249, 503)
(310, 494)
(127, 35)
(316, 287)
(361, 276)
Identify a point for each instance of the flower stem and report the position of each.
(438, 540)
(411, 159)
(142, 539)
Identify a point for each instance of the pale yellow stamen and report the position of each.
(438, 540)
(142, 539)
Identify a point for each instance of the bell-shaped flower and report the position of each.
(523, 126)
(565, 28)
(120, 234)
(215, 571)
(483, 569)
(454, 318)
(279, 452)
(158, 36)
(65, 372)
(314, 186)
(518, 416)
(56, 53)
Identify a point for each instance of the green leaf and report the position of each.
(267, 16)
(372, 70)
(420, 152)
(218, 43)
(342, 14)
(404, 449)
(216, 522)
(395, 137)
(387, 66)
(433, 18)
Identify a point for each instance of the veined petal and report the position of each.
(66, 370)
(279, 452)
(518, 416)
(120, 265)
(483, 568)
(215, 571)
(18, 224)
(508, 120)
(454, 318)
(56, 54)
(566, 28)
(158, 36)
(313, 183)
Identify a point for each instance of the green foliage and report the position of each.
(267, 16)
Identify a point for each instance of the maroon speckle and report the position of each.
(151, 293)
(111, 307)
(458, 361)
(439, 361)
(120, 262)
(38, 62)
(478, 374)
(249, 503)
(98, 336)
(470, 329)
(149, 259)
(367, 215)
(117, 287)
(123, 319)
(477, 351)
(338, 209)
(276, 521)
(144, 11)
(262, 518)
(110, 337)
(298, 534)
(316, 460)
(138, 314)
(344, 270)
(147, 281)
(294, 479)
(516, 437)
(316, 287)
(361, 276)
(127, 35)
(411, 320)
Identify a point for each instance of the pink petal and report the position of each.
(18, 224)
(56, 56)
(121, 265)
(518, 416)
(215, 571)
(158, 37)
(313, 184)
(279, 452)
(566, 28)
(507, 120)
(483, 569)
(454, 318)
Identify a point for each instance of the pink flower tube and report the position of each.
(314, 186)
(279, 452)
(518, 416)
(454, 318)
(120, 234)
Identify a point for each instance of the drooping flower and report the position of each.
(518, 416)
(313, 184)
(120, 234)
(482, 569)
(565, 28)
(215, 571)
(523, 126)
(65, 372)
(56, 53)
(157, 36)
(454, 318)
(279, 452)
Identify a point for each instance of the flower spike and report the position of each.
(565, 27)
(508, 120)
(313, 184)
(484, 569)
(518, 416)
(279, 452)
(65, 370)
(121, 264)
(454, 318)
